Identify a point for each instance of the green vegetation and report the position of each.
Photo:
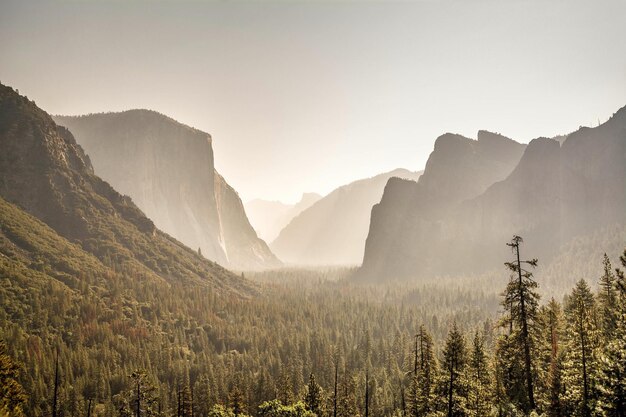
(182, 348)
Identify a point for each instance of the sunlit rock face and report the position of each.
(167, 168)
(474, 195)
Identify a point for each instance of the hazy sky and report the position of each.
(306, 96)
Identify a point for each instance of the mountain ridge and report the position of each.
(558, 190)
(168, 168)
(48, 175)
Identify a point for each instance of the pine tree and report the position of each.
(521, 303)
(607, 299)
(313, 399)
(285, 385)
(453, 387)
(347, 401)
(551, 358)
(237, 401)
(479, 377)
(423, 375)
(613, 364)
(581, 359)
(141, 399)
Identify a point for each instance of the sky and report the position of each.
(304, 96)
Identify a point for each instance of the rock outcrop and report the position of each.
(45, 173)
(458, 216)
(407, 227)
(167, 168)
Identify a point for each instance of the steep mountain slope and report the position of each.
(167, 169)
(333, 230)
(270, 217)
(555, 193)
(407, 222)
(45, 173)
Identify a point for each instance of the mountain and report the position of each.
(45, 174)
(333, 230)
(270, 217)
(167, 169)
(454, 220)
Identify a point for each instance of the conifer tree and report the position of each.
(141, 399)
(551, 358)
(347, 402)
(521, 302)
(613, 364)
(423, 375)
(313, 399)
(453, 386)
(581, 359)
(479, 377)
(607, 299)
(237, 401)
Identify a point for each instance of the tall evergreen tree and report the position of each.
(613, 364)
(607, 299)
(313, 399)
(423, 375)
(479, 378)
(453, 386)
(551, 357)
(581, 359)
(521, 303)
(140, 400)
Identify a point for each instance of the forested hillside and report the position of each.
(312, 343)
(45, 173)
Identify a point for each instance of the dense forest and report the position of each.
(312, 343)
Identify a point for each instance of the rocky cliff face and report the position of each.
(167, 168)
(46, 173)
(333, 230)
(553, 194)
(241, 243)
(407, 225)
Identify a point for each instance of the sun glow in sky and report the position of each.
(307, 96)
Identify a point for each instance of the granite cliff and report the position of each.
(45, 176)
(167, 168)
(469, 202)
